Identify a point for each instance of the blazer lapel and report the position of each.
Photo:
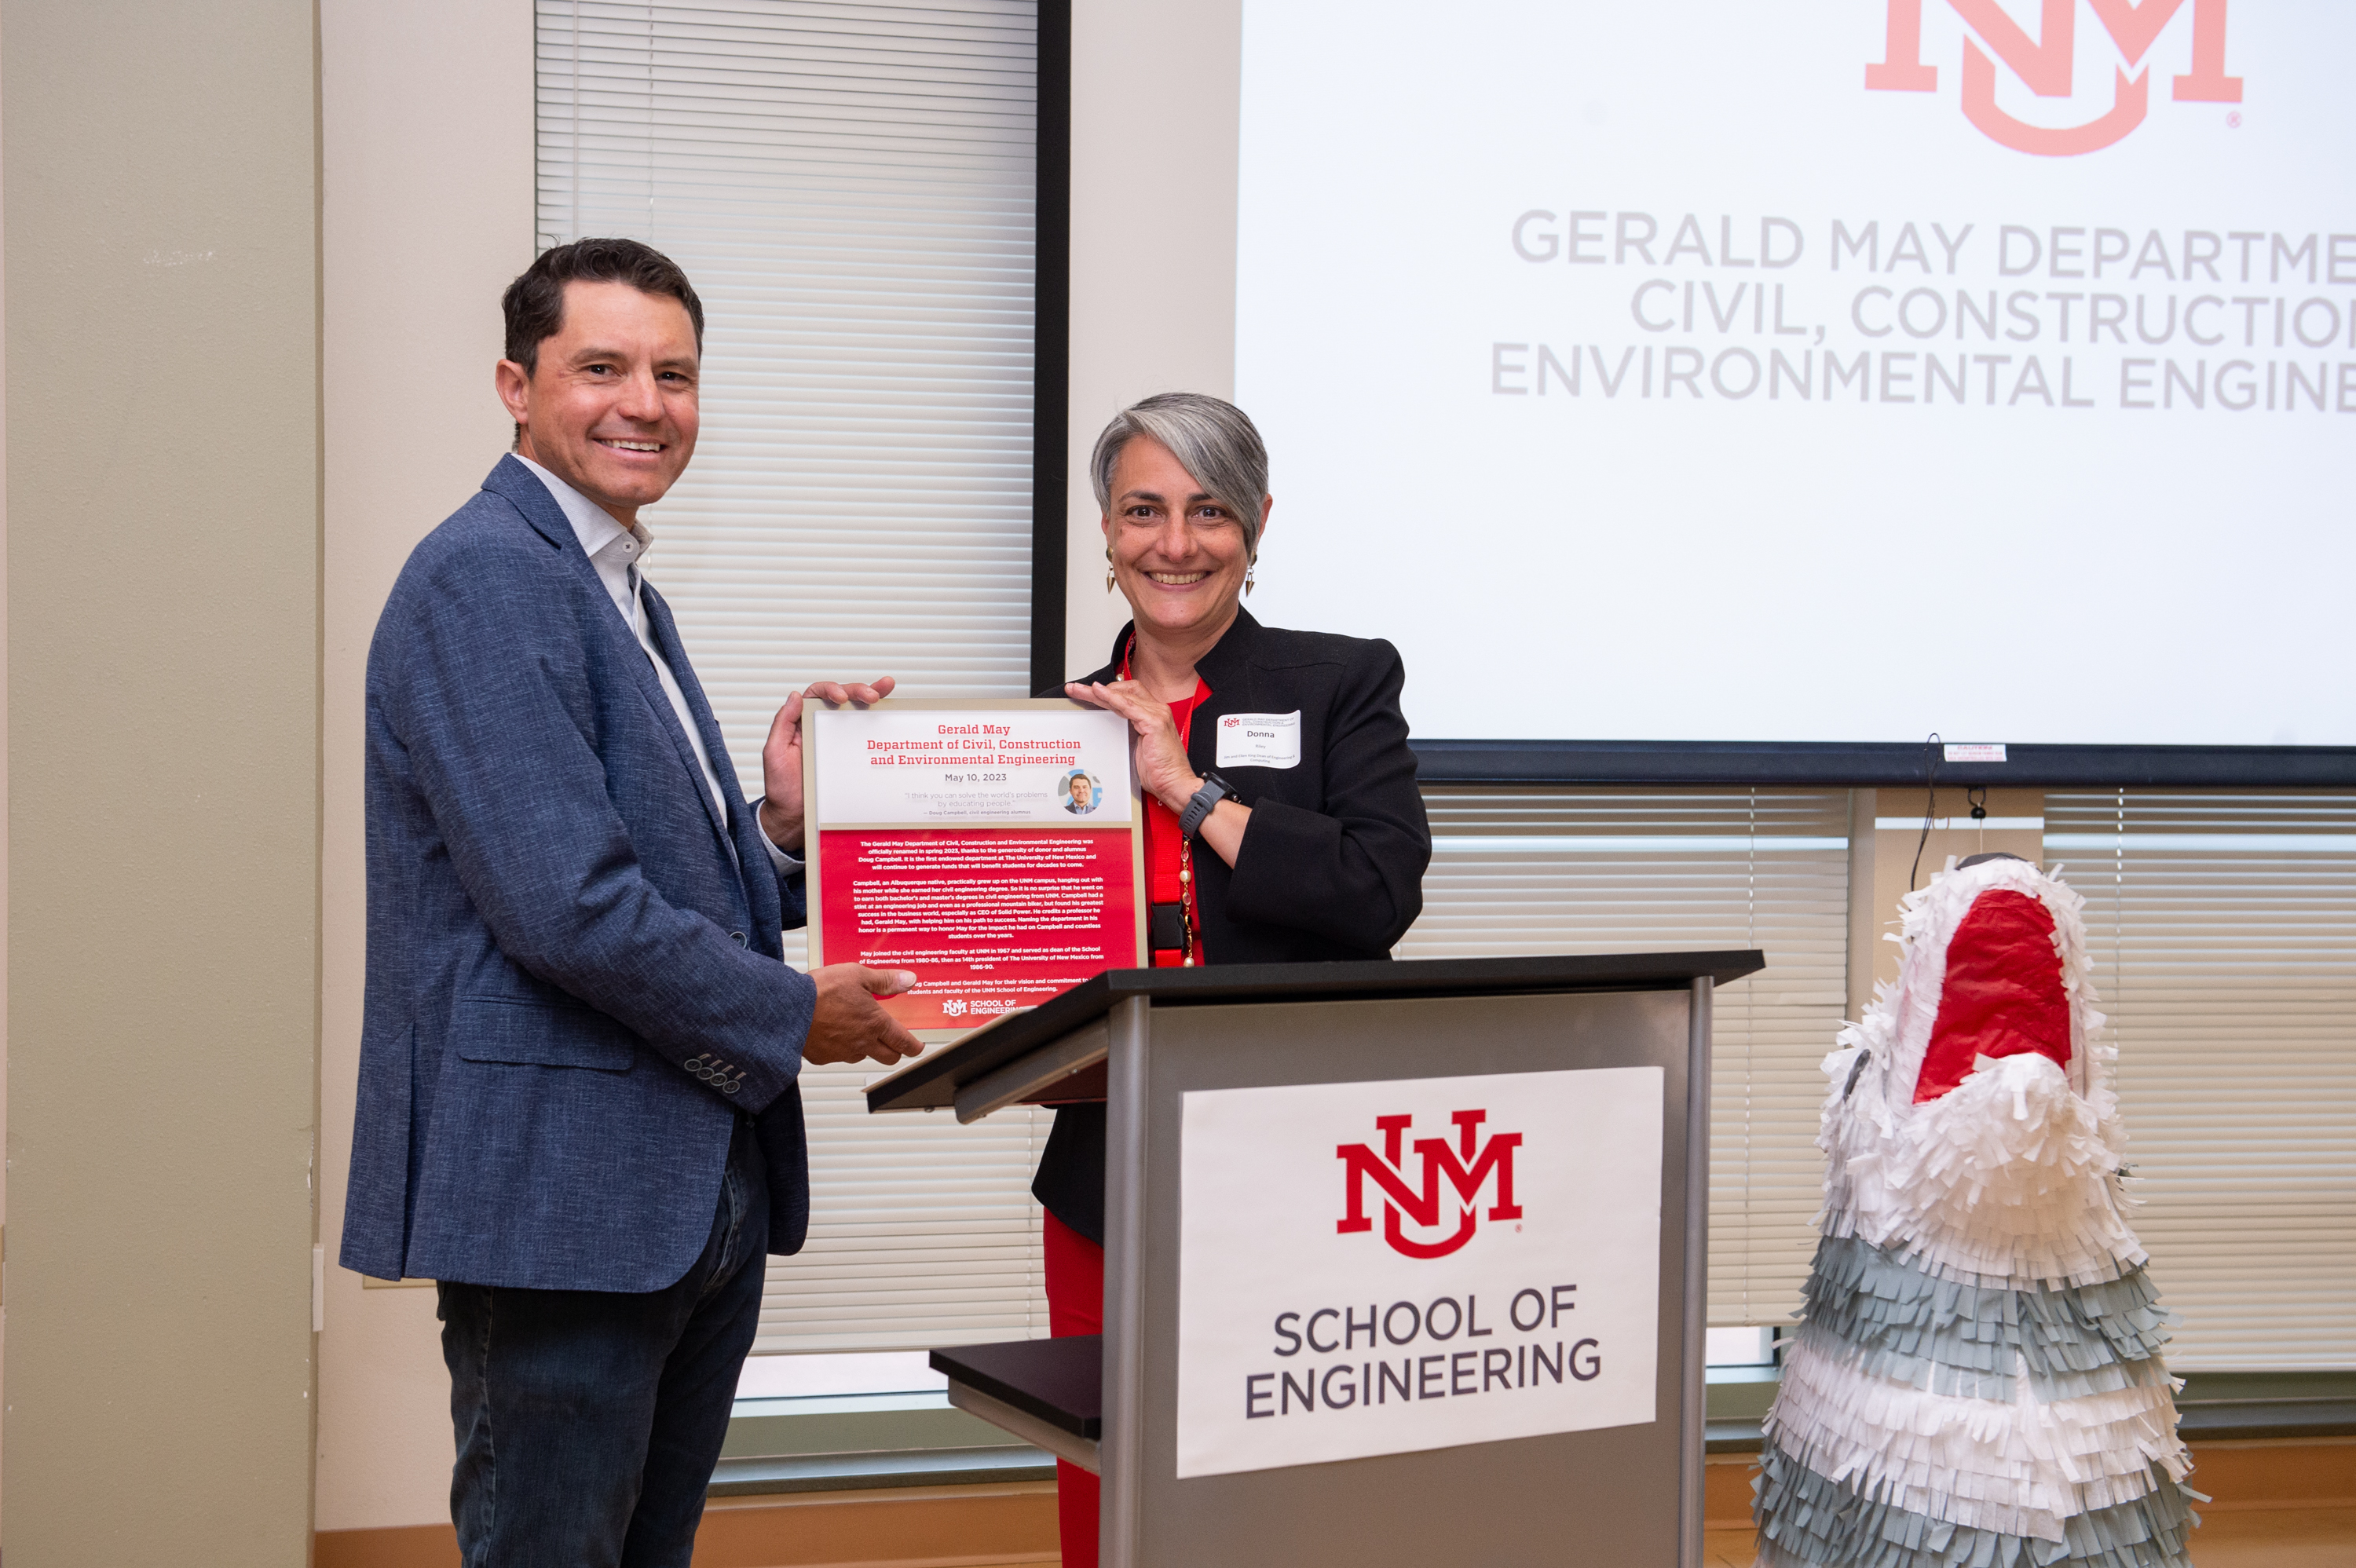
(512, 481)
(739, 827)
(1228, 671)
(520, 486)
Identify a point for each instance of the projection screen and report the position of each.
(1825, 373)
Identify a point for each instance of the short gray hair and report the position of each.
(1212, 438)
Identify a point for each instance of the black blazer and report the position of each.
(1332, 865)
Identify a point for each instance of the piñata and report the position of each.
(1976, 1378)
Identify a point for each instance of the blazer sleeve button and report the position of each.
(738, 937)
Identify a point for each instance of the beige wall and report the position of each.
(427, 126)
(1156, 91)
(3, 787)
(162, 436)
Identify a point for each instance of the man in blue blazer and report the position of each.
(577, 1102)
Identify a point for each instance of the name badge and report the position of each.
(1260, 740)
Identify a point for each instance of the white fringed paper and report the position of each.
(2019, 1468)
(1980, 1372)
(2010, 1178)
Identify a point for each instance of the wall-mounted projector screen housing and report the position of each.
(1732, 373)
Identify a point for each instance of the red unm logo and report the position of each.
(1466, 1167)
(2044, 63)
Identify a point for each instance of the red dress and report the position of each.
(1075, 1264)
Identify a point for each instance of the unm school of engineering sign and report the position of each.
(1388, 1267)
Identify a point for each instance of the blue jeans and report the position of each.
(588, 1420)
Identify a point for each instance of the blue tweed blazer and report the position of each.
(574, 980)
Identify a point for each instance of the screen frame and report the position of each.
(1847, 765)
(1051, 364)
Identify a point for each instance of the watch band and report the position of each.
(1214, 790)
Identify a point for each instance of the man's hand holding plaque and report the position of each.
(849, 1025)
(781, 755)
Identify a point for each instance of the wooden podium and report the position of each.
(1142, 1040)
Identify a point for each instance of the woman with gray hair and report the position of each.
(1283, 821)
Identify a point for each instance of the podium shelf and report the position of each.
(1047, 1392)
(939, 1080)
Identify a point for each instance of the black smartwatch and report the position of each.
(1214, 790)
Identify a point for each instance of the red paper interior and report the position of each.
(2002, 995)
(987, 918)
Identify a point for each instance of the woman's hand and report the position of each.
(1162, 765)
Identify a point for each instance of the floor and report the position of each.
(2280, 1504)
(2246, 1538)
(2237, 1537)
(2243, 1538)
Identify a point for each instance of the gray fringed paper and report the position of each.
(1808, 1522)
(1884, 1316)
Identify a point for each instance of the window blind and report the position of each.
(923, 1232)
(1528, 871)
(2222, 928)
(849, 187)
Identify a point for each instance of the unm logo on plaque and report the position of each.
(2044, 65)
(1467, 1169)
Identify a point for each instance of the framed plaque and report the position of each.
(995, 846)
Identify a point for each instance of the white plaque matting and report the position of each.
(912, 766)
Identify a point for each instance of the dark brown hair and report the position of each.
(534, 302)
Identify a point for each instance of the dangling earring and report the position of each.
(1109, 576)
(1250, 567)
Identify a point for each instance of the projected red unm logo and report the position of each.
(2044, 63)
(1467, 1168)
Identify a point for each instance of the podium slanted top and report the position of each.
(933, 1080)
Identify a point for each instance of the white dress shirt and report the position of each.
(618, 553)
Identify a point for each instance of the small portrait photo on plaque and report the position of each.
(1080, 792)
